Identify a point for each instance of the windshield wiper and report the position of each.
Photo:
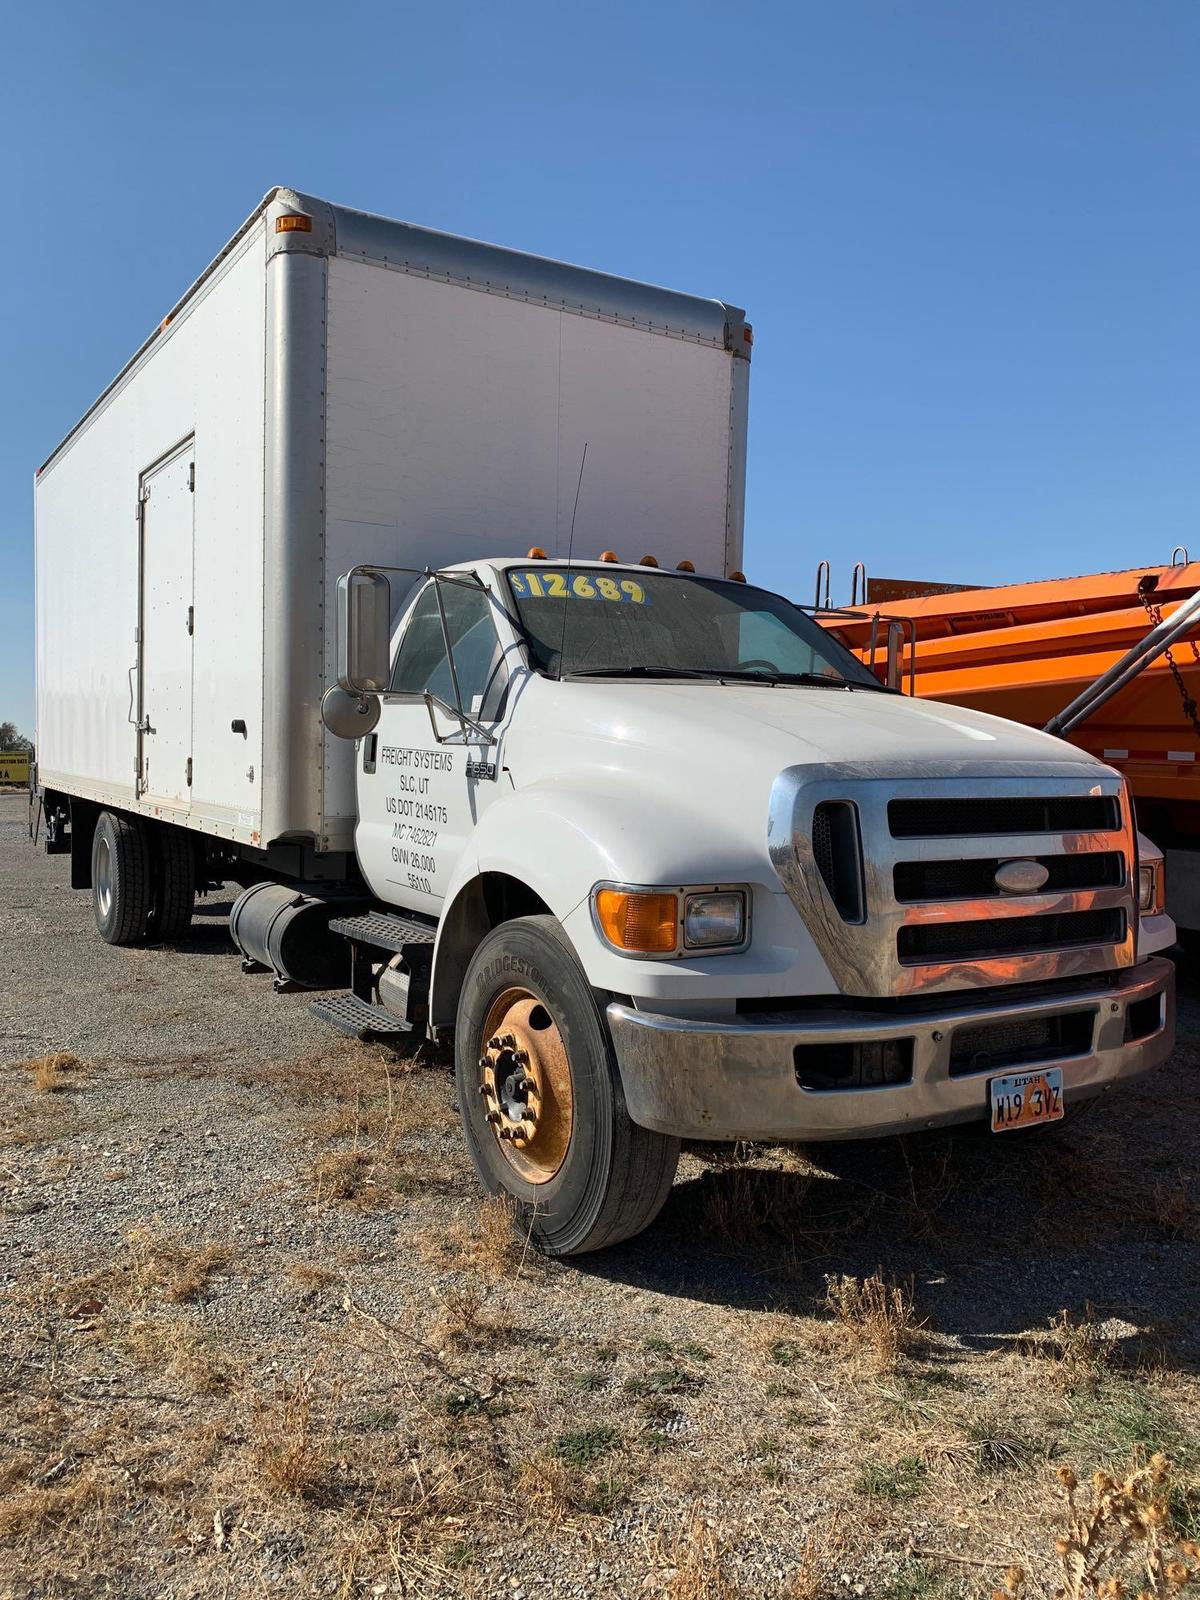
(640, 670)
(822, 680)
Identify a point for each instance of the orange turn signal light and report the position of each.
(293, 222)
(536, 553)
(640, 920)
(609, 555)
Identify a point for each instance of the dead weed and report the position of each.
(876, 1316)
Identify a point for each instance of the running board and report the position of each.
(358, 1019)
(383, 930)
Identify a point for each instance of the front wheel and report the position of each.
(540, 1096)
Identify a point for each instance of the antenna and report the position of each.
(562, 639)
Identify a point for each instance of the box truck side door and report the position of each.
(419, 798)
(166, 620)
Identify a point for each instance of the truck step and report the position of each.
(383, 930)
(358, 1019)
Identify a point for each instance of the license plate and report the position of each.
(1024, 1099)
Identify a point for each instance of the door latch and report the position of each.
(191, 621)
(189, 771)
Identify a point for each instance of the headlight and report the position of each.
(714, 919)
(1151, 888)
(638, 921)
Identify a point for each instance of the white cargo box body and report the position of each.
(338, 388)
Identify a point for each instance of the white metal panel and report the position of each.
(455, 425)
(655, 415)
(203, 376)
(166, 645)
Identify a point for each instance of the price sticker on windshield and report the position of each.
(552, 585)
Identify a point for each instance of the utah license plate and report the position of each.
(1024, 1099)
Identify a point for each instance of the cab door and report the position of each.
(421, 795)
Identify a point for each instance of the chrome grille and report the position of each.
(974, 941)
(944, 818)
(970, 880)
(933, 918)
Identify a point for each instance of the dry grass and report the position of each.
(37, 1509)
(154, 1267)
(876, 1316)
(491, 1244)
(55, 1073)
(180, 1350)
(308, 1278)
(692, 1561)
(1168, 1205)
(1077, 1351)
(288, 1454)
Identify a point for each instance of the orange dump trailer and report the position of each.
(1027, 651)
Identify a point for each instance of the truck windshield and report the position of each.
(590, 623)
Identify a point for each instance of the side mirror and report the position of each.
(349, 716)
(364, 632)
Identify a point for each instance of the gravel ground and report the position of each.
(261, 1337)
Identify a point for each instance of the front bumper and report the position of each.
(737, 1079)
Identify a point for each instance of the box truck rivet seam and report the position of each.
(658, 854)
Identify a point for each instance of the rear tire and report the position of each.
(174, 897)
(582, 1175)
(120, 878)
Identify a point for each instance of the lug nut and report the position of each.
(486, 1088)
(527, 1086)
(493, 1116)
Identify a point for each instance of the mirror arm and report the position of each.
(465, 722)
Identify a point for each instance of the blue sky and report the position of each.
(966, 231)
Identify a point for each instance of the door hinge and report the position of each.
(189, 772)
(192, 476)
(191, 622)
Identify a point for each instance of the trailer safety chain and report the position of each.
(1154, 612)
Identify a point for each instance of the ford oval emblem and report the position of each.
(1021, 877)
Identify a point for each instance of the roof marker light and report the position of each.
(648, 561)
(536, 553)
(737, 577)
(609, 555)
(686, 566)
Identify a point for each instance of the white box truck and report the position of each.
(396, 577)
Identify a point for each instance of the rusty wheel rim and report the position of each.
(525, 1085)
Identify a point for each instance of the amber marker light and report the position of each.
(686, 566)
(737, 577)
(609, 555)
(648, 561)
(293, 222)
(643, 922)
(536, 553)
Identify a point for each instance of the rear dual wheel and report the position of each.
(541, 1100)
(143, 879)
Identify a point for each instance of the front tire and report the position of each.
(120, 878)
(540, 1096)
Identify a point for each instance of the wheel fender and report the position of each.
(560, 842)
